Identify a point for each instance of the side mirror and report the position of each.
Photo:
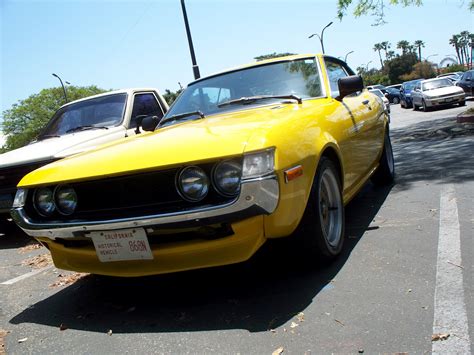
(468, 79)
(149, 123)
(349, 85)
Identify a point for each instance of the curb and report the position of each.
(465, 118)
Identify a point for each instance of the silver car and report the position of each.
(436, 92)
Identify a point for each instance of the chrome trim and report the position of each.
(257, 196)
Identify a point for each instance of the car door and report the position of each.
(467, 83)
(416, 95)
(144, 104)
(364, 135)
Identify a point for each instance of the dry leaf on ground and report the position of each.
(440, 336)
(30, 247)
(62, 326)
(22, 340)
(64, 280)
(109, 332)
(38, 262)
(3, 334)
(300, 317)
(278, 351)
(293, 325)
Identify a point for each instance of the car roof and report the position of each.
(433, 79)
(114, 92)
(412, 81)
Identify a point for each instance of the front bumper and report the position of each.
(448, 100)
(257, 197)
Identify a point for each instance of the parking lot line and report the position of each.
(450, 315)
(25, 276)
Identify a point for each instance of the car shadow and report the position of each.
(438, 150)
(260, 294)
(11, 236)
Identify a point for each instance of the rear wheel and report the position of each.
(321, 231)
(415, 108)
(385, 173)
(462, 103)
(396, 100)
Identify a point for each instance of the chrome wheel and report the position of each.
(330, 208)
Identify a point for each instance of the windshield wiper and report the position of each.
(46, 136)
(182, 115)
(85, 128)
(252, 99)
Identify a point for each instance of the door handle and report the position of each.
(366, 103)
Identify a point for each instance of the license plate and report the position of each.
(120, 245)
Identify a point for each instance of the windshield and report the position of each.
(436, 84)
(99, 112)
(300, 78)
(378, 93)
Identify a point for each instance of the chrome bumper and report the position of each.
(257, 197)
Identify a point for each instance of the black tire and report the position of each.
(403, 104)
(462, 103)
(396, 100)
(321, 231)
(415, 108)
(423, 106)
(385, 173)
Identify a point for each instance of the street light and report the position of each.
(64, 88)
(432, 55)
(190, 42)
(367, 66)
(322, 36)
(345, 57)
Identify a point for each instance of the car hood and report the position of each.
(59, 147)
(444, 91)
(213, 137)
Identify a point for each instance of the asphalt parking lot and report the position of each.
(403, 283)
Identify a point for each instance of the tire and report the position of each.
(396, 100)
(403, 104)
(423, 106)
(462, 103)
(385, 173)
(415, 108)
(321, 231)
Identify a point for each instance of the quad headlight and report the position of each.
(66, 199)
(43, 201)
(193, 183)
(258, 164)
(227, 176)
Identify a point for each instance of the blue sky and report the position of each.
(116, 44)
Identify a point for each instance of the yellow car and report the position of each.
(268, 150)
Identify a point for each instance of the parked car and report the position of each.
(377, 87)
(436, 92)
(269, 150)
(78, 126)
(382, 97)
(466, 82)
(405, 93)
(393, 95)
(395, 86)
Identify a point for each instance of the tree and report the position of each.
(404, 46)
(385, 46)
(376, 8)
(463, 44)
(170, 96)
(377, 48)
(418, 44)
(24, 120)
(400, 65)
(271, 55)
(454, 41)
(420, 70)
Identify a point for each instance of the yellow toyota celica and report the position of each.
(268, 150)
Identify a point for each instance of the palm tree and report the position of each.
(404, 46)
(385, 46)
(454, 41)
(377, 48)
(418, 44)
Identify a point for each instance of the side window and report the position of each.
(335, 71)
(468, 75)
(144, 104)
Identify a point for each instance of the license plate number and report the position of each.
(120, 245)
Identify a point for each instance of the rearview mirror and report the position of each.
(349, 85)
(149, 123)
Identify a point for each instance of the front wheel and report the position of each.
(423, 105)
(321, 230)
(462, 103)
(395, 100)
(385, 173)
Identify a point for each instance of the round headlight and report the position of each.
(193, 183)
(226, 177)
(44, 201)
(66, 199)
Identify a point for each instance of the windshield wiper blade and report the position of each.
(85, 128)
(182, 115)
(46, 136)
(252, 99)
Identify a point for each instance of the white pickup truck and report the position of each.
(78, 126)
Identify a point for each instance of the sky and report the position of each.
(118, 44)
